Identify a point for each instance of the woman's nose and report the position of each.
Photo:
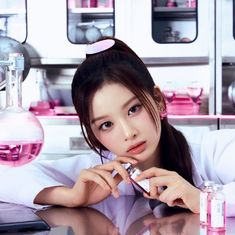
(129, 131)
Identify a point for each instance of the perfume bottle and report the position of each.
(21, 135)
(216, 220)
(133, 173)
(206, 190)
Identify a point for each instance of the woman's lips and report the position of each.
(137, 148)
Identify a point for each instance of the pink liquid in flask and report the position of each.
(19, 153)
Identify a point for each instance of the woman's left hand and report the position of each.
(177, 192)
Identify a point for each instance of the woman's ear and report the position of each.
(160, 101)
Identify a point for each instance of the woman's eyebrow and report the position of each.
(98, 118)
(123, 107)
(129, 101)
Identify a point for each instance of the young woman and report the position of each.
(123, 119)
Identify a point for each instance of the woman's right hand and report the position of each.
(92, 186)
(97, 183)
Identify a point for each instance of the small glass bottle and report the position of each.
(21, 135)
(176, 34)
(206, 190)
(217, 216)
(171, 3)
(134, 172)
(168, 35)
(89, 3)
(191, 3)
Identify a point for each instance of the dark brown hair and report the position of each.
(119, 64)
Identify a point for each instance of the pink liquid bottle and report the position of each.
(21, 135)
(133, 173)
(217, 218)
(204, 195)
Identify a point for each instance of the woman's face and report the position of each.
(122, 124)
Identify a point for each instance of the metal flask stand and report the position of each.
(21, 133)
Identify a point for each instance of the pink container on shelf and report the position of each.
(191, 3)
(171, 3)
(183, 105)
(41, 108)
(89, 3)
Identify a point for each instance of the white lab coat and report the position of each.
(212, 154)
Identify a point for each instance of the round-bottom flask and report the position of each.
(21, 133)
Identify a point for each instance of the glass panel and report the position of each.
(174, 21)
(13, 19)
(89, 20)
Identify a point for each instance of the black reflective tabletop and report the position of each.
(127, 215)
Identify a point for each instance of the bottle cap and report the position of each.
(208, 183)
(126, 165)
(217, 187)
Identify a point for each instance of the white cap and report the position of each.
(126, 165)
(99, 46)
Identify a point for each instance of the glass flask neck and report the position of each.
(14, 89)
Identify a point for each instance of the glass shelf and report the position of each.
(176, 12)
(10, 12)
(92, 10)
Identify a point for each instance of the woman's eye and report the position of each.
(134, 109)
(105, 125)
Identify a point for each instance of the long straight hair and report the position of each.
(121, 65)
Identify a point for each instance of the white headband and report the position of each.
(99, 46)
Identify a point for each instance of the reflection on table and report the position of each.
(127, 215)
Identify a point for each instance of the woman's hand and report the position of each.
(92, 186)
(177, 191)
(95, 184)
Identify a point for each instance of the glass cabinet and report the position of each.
(174, 21)
(13, 19)
(225, 60)
(89, 20)
(234, 19)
